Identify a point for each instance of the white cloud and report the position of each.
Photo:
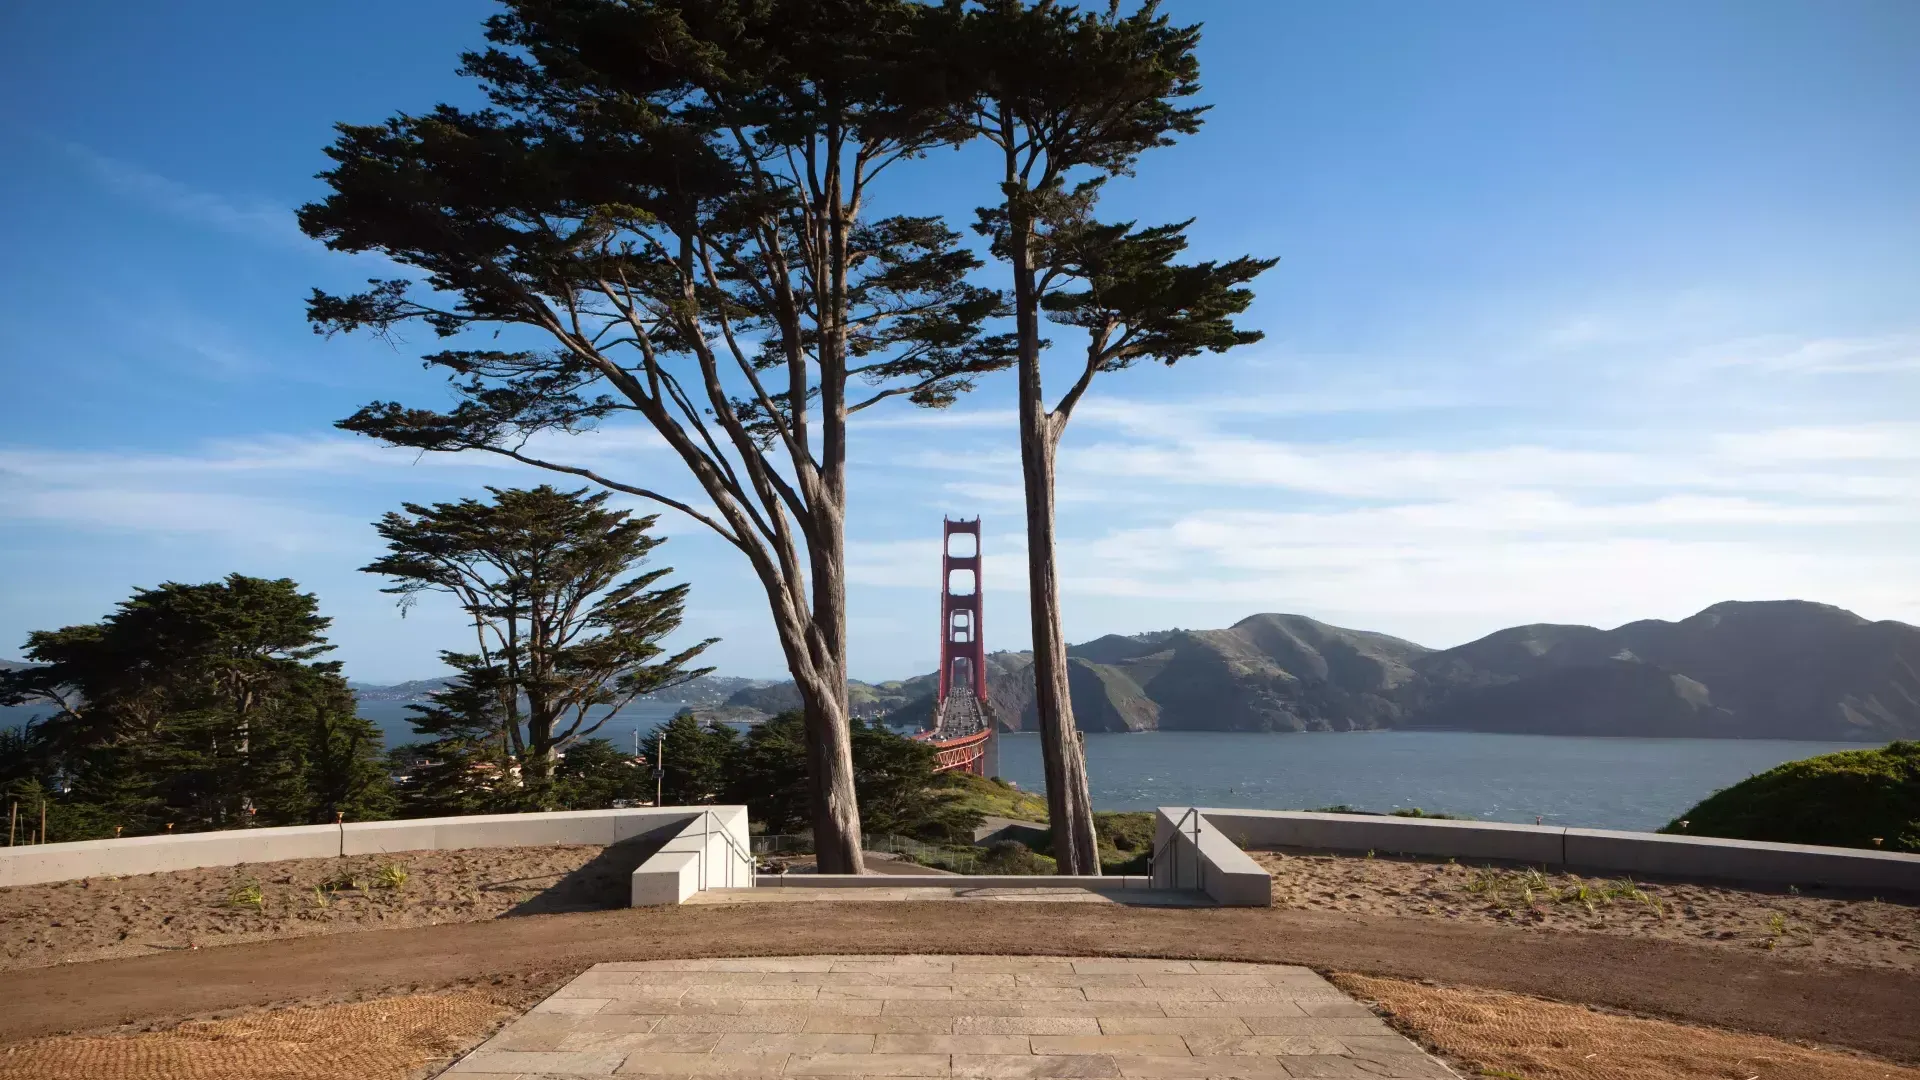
(267, 490)
(1818, 356)
(250, 520)
(256, 219)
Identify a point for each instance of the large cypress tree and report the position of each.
(567, 628)
(667, 203)
(200, 706)
(1070, 97)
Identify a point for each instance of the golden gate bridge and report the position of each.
(963, 721)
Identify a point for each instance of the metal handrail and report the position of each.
(705, 816)
(1153, 861)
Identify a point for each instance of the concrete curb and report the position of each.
(1583, 849)
(703, 830)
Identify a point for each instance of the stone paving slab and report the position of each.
(953, 1017)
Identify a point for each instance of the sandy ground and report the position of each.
(1870, 1009)
(103, 918)
(99, 918)
(1493, 1034)
(1818, 929)
(387, 1039)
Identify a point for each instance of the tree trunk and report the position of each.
(821, 680)
(1069, 808)
(836, 809)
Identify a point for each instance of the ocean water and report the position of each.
(1562, 780)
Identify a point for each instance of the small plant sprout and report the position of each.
(390, 876)
(319, 897)
(248, 894)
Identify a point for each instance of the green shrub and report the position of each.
(1855, 798)
(1014, 857)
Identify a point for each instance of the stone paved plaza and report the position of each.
(985, 1017)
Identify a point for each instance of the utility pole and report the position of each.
(13, 818)
(659, 767)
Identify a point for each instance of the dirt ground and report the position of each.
(100, 918)
(1863, 1008)
(1493, 1034)
(386, 1039)
(1811, 928)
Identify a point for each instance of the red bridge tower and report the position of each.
(962, 718)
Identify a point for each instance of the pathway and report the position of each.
(981, 1017)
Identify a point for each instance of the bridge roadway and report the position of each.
(962, 724)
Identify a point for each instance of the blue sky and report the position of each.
(1586, 313)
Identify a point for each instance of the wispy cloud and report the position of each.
(254, 218)
(1818, 356)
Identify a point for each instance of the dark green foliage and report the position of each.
(196, 706)
(769, 774)
(899, 791)
(1855, 798)
(665, 201)
(595, 774)
(1014, 857)
(697, 758)
(1126, 841)
(563, 627)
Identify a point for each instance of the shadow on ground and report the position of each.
(603, 883)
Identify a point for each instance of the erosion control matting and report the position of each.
(389, 1039)
(1868, 1009)
(1511, 1035)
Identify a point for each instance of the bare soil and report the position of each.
(1869, 1009)
(386, 1039)
(1495, 1034)
(1802, 928)
(99, 918)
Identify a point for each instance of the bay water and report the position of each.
(1601, 783)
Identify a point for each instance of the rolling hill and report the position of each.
(1777, 669)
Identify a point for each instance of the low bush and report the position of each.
(1855, 798)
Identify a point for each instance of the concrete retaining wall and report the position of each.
(36, 863)
(701, 830)
(1190, 852)
(709, 851)
(1603, 850)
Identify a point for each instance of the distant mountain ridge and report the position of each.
(703, 691)
(1786, 669)
(1771, 669)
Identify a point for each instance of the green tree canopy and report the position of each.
(899, 790)
(567, 629)
(1069, 97)
(665, 206)
(203, 706)
(694, 760)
